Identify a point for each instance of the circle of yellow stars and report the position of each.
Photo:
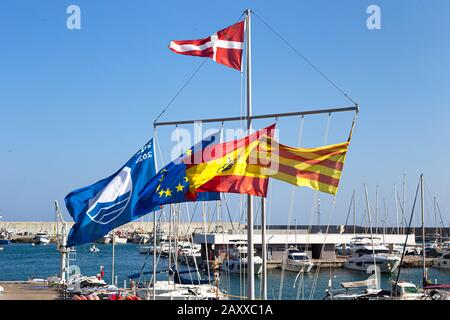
(178, 188)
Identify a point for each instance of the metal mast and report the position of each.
(422, 207)
(354, 212)
(376, 211)
(154, 256)
(404, 200)
(318, 215)
(113, 256)
(61, 242)
(396, 208)
(264, 248)
(436, 221)
(371, 236)
(250, 265)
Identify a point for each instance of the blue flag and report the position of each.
(111, 202)
(170, 184)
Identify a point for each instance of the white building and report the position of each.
(276, 241)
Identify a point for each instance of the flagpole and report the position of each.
(250, 265)
(154, 229)
(422, 209)
(264, 248)
(113, 253)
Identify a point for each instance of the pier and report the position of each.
(26, 290)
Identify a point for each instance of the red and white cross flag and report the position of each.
(224, 46)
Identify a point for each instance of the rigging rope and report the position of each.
(301, 55)
(315, 204)
(193, 74)
(181, 89)
(333, 206)
(291, 209)
(349, 209)
(407, 234)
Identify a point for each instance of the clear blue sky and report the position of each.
(75, 104)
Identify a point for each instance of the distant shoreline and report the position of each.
(185, 227)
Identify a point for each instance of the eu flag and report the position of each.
(111, 202)
(170, 184)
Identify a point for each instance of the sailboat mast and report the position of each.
(250, 266)
(422, 207)
(396, 208)
(371, 236)
(354, 213)
(113, 256)
(154, 256)
(376, 211)
(385, 220)
(436, 221)
(264, 248)
(404, 200)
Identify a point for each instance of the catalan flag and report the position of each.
(318, 168)
(223, 167)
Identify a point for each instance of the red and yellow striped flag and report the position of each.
(318, 168)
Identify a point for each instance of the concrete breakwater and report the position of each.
(24, 230)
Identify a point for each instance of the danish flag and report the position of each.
(224, 46)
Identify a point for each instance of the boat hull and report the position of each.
(385, 264)
(238, 267)
(41, 241)
(104, 240)
(167, 291)
(119, 240)
(442, 263)
(298, 267)
(4, 242)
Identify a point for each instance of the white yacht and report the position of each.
(364, 254)
(189, 287)
(443, 261)
(189, 253)
(41, 238)
(145, 248)
(166, 247)
(405, 291)
(357, 290)
(186, 248)
(236, 260)
(442, 248)
(104, 240)
(166, 290)
(370, 289)
(93, 248)
(140, 236)
(296, 260)
(409, 250)
(120, 238)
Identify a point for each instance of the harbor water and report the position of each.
(25, 261)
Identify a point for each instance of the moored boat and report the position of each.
(366, 252)
(237, 258)
(443, 261)
(93, 248)
(41, 238)
(296, 260)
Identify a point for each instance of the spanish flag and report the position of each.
(223, 167)
(318, 168)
